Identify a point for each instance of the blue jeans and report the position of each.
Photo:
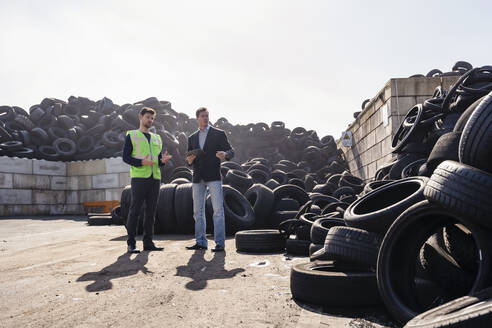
(199, 195)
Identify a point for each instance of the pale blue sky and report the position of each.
(308, 63)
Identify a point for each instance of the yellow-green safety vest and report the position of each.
(141, 149)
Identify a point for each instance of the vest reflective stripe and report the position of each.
(141, 150)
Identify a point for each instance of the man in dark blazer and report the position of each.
(210, 146)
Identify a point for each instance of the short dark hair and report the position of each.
(201, 109)
(146, 110)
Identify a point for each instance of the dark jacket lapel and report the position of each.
(210, 133)
(195, 143)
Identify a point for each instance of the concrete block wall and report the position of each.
(374, 128)
(34, 187)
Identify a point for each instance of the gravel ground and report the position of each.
(60, 272)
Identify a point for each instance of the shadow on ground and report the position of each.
(201, 271)
(124, 266)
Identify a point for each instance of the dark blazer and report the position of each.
(207, 166)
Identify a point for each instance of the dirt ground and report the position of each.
(60, 272)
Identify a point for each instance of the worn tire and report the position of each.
(347, 285)
(166, 215)
(376, 211)
(401, 246)
(259, 241)
(353, 245)
(462, 189)
(183, 206)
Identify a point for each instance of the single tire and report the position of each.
(272, 184)
(443, 269)
(290, 191)
(116, 218)
(353, 245)
(348, 285)
(65, 147)
(166, 215)
(376, 211)
(475, 147)
(446, 148)
(320, 227)
(371, 186)
(462, 189)
(401, 246)
(239, 180)
(99, 220)
(468, 311)
(259, 241)
(297, 247)
(461, 246)
(183, 206)
(261, 199)
(39, 136)
(313, 248)
(239, 214)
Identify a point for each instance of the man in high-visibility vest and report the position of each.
(143, 152)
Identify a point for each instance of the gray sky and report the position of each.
(307, 63)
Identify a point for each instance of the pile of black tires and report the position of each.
(82, 129)
(257, 194)
(418, 237)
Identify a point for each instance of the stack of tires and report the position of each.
(257, 194)
(458, 69)
(417, 238)
(83, 129)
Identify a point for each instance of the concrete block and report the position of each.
(6, 180)
(116, 165)
(387, 91)
(353, 166)
(15, 165)
(386, 146)
(109, 180)
(15, 196)
(113, 194)
(49, 168)
(371, 139)
(48, 197)
(349, 155)
(401, 105)
(86, 167)
(65, 209)
(79, 197)
(16, 210)
(376, 152)
(82, 182)
(58, 183)
(419, 86)
(380, 133)
(72, 197)
(125, 179)
(395, 123)
(29, 181)
(371, 170)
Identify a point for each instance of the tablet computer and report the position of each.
(197, 152)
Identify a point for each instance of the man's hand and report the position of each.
(146, 162)
(221, 154)
(165, 157)
(190, 158)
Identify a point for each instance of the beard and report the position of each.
(148, 125)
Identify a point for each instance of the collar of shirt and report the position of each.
(206, 129)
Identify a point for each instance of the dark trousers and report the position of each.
(143, 189)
